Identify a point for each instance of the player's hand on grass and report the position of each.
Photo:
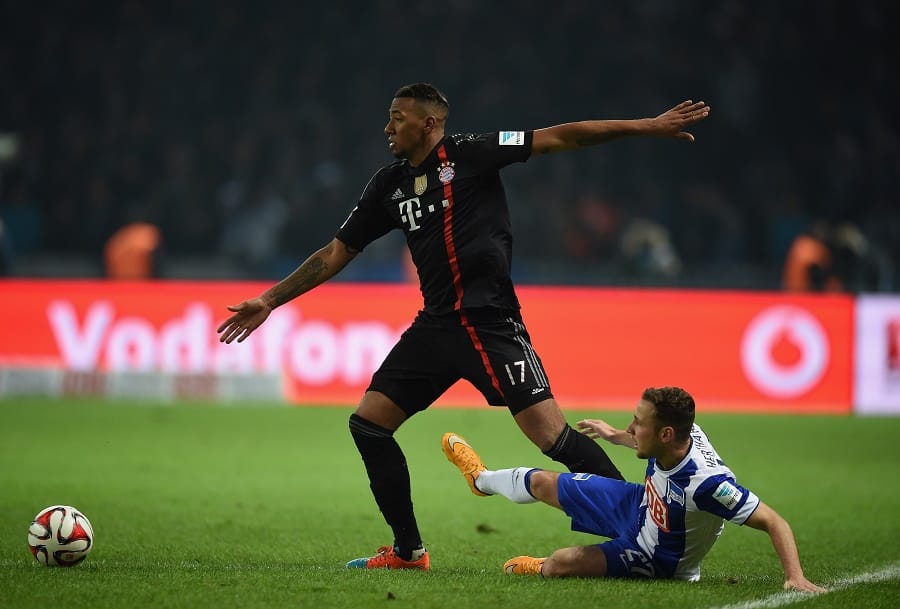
(598, 428)
(801, 584)
(248, 316)
(672, 122)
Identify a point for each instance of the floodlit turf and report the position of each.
(261, 506)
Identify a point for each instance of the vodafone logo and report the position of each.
(313, 352)
(784, 351)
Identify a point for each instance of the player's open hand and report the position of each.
(801, 584)
(598, 428)
(672, 122)
(248, 316)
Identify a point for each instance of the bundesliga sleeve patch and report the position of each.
(728, 495)
(512, 138)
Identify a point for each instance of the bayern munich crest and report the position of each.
(446, 172)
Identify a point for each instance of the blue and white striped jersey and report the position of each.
(683, 509)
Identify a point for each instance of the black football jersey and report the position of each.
(452, 209)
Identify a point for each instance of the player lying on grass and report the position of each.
(661, 529)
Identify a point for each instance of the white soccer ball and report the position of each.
(60, 536)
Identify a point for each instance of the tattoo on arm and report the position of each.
(310, 274)
(316, 269)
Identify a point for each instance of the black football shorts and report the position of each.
(490, 348)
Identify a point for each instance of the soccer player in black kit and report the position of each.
(445, 193)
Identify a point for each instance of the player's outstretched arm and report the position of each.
(671, 123)
(317, 269)
(768, 520)
(598, 428)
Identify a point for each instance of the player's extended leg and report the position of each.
(372, 426)
(519, 484)
(577, 561)
(544, 424)
(524, 485)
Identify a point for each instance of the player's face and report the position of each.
(643, 430)
(406, 127)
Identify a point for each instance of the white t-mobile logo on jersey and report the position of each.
(411, 210)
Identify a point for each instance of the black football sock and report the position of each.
(389, 481)
(581, 454)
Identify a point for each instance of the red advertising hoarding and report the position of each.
(742, 351)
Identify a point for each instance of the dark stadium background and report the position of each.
(246, 130)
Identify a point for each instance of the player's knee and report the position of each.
(581, 561)
(363, 428)
(558, 564)
(380, 410)
(542, 423)
(542, 486)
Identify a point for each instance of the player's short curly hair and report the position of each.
(674, 408)
(426, 92)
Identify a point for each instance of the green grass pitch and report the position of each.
(197, 505)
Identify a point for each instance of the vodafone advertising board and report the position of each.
(735, 351)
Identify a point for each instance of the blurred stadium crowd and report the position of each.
(245, 132)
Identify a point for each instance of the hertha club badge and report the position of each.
(446, 172)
